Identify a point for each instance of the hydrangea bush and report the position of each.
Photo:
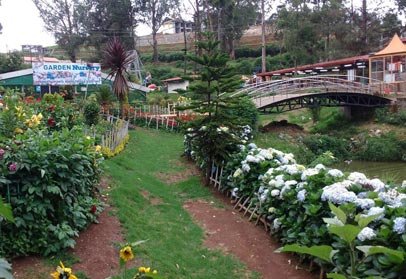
(294, 199)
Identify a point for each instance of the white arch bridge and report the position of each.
(312, 91)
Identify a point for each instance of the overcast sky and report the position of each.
(22, 25)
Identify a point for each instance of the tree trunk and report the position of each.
(198, 30)
(364, 36)
(208, 173)
(155, 48)
(231, 45)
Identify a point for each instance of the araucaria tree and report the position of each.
(214, 135)
(117, 60)
(63, 19)
(153, 13)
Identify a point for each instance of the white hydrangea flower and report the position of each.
(264, 195)
(301, 195)
(290, 182)
(284, 190)
(300, 185)
(362, 195)
(224, 129)
(245, 167)
(335, 173)
(309, 172)
(366, 234)
(234, 192)
(279, 177)
(252, 146)
(364, 203)
(252, 159)
(358, 177)
(269, 171)
(376, 184)
(337, 193)
(279, 183)
(320, 167)
(379, 211)
(272, 183)
(399, 225)
(271, 209)
(189, 130)
(276, 224)
(238, 172)
(392, 198)
(275, 192)
(203, 128)
(266, 154)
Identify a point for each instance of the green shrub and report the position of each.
(245, 52)
(384, 148)
(383, 115)
(321, 144)
(332, 122)
(91, 113)
(50, 182)
(244, 111)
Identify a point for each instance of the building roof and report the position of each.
(351, 61)
(29, 59)
(14, 74)
(395, 46)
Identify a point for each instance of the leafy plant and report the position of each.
(50, 180)
(347, 230)
(212, 137)
(117, 59)
(91, 113)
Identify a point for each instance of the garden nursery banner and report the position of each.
(66, 73)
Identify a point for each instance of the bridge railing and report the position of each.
(314, 84)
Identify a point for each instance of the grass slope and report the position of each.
(174, 244)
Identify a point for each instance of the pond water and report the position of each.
(386, 171)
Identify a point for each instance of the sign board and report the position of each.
(66, 73)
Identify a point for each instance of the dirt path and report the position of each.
(228, 230)
(96, 248)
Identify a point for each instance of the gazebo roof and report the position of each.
(395, 47)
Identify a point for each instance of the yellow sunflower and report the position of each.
(126, 253)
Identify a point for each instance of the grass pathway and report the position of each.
(151, 209)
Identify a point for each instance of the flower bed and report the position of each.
(294, 200)
(49, 173)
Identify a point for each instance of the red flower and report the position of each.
(12, 167)
(51, 108)
(51, 122)
(93, 209)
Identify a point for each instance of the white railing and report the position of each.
(116, 134)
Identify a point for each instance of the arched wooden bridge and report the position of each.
(307, 92)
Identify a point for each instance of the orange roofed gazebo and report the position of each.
(389, 65)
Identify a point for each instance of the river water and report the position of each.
(386, 171)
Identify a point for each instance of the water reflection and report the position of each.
(386, 171)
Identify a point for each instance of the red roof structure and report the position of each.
(176, 79)
(344, 63)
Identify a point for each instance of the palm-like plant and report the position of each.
(117, 59)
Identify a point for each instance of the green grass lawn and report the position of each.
(174, 244)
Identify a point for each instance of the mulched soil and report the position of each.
(282, 126)
(226, 229)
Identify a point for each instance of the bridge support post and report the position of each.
(358, 113)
